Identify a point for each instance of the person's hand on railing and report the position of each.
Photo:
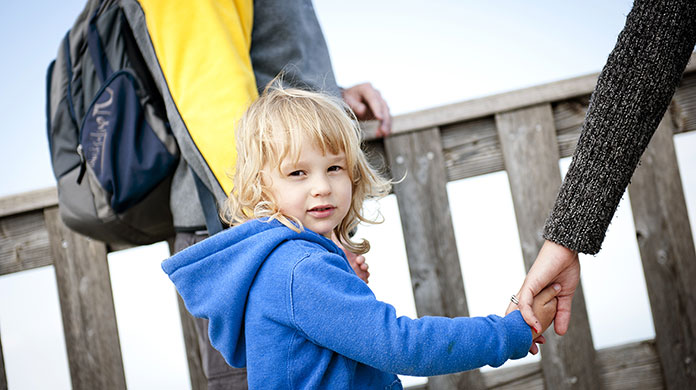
(554, 264)
(367, 104)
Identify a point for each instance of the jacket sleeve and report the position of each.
(632, 93)
(335, 309)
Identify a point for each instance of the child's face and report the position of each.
(316, 189)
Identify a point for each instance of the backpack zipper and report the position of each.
(83, 164)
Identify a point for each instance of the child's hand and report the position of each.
(544, 307)
(357, 262)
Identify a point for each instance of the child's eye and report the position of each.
(335, 168)
(296, 173)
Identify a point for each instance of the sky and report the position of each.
(419, 55)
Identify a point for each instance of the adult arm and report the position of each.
(633, 91)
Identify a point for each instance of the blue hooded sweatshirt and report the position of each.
(289, 307)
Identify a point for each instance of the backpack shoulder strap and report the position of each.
(212, 220)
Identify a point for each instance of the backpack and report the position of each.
(112, 151)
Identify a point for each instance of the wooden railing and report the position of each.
(524, 132)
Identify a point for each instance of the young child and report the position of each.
(280, 296)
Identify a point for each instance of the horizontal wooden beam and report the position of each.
(489, 105)
(625, 367)
(24, 242)
(28, 201)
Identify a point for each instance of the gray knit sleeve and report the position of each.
(632, 94)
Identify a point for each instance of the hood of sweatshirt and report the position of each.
(214, 277)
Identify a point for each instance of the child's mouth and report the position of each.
(321, 211)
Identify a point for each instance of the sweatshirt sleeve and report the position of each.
(335, 309)
(632, 93)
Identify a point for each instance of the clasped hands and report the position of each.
(555, 266)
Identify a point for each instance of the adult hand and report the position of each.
(554, 264)
(367, 104)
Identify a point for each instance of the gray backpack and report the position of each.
(112, 151)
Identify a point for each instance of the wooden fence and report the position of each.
(524, 132)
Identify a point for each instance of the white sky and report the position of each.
(420, 55)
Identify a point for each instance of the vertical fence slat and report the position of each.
(193, 352)
(3, 375)
(188, 330)
(669, 260)
(530, 150)
(87, 307)
(436, 275)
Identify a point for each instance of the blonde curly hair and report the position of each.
(274, 128)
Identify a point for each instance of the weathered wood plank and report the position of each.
(193, 352)
(568, 117)
(683, 106)
(188, 328)
(426, 221)
(87, 307)
(23, 242)
(28, 201)
(471, 148)
(631, 366)
(3, 374)
(668, 255)
(489, 105)
(626, 367)
(528, 141)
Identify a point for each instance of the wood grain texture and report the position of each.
(188, 329)
(87, 307)
(668, 255)
(426, 221)
(683, 108)
(28, 201)
(490, 105)
(530, 150)
(193, 352)
(627, 367)
(471, 148)
(23, 242)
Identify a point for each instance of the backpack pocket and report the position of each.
(121, 143)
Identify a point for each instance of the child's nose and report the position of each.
(321, 186)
